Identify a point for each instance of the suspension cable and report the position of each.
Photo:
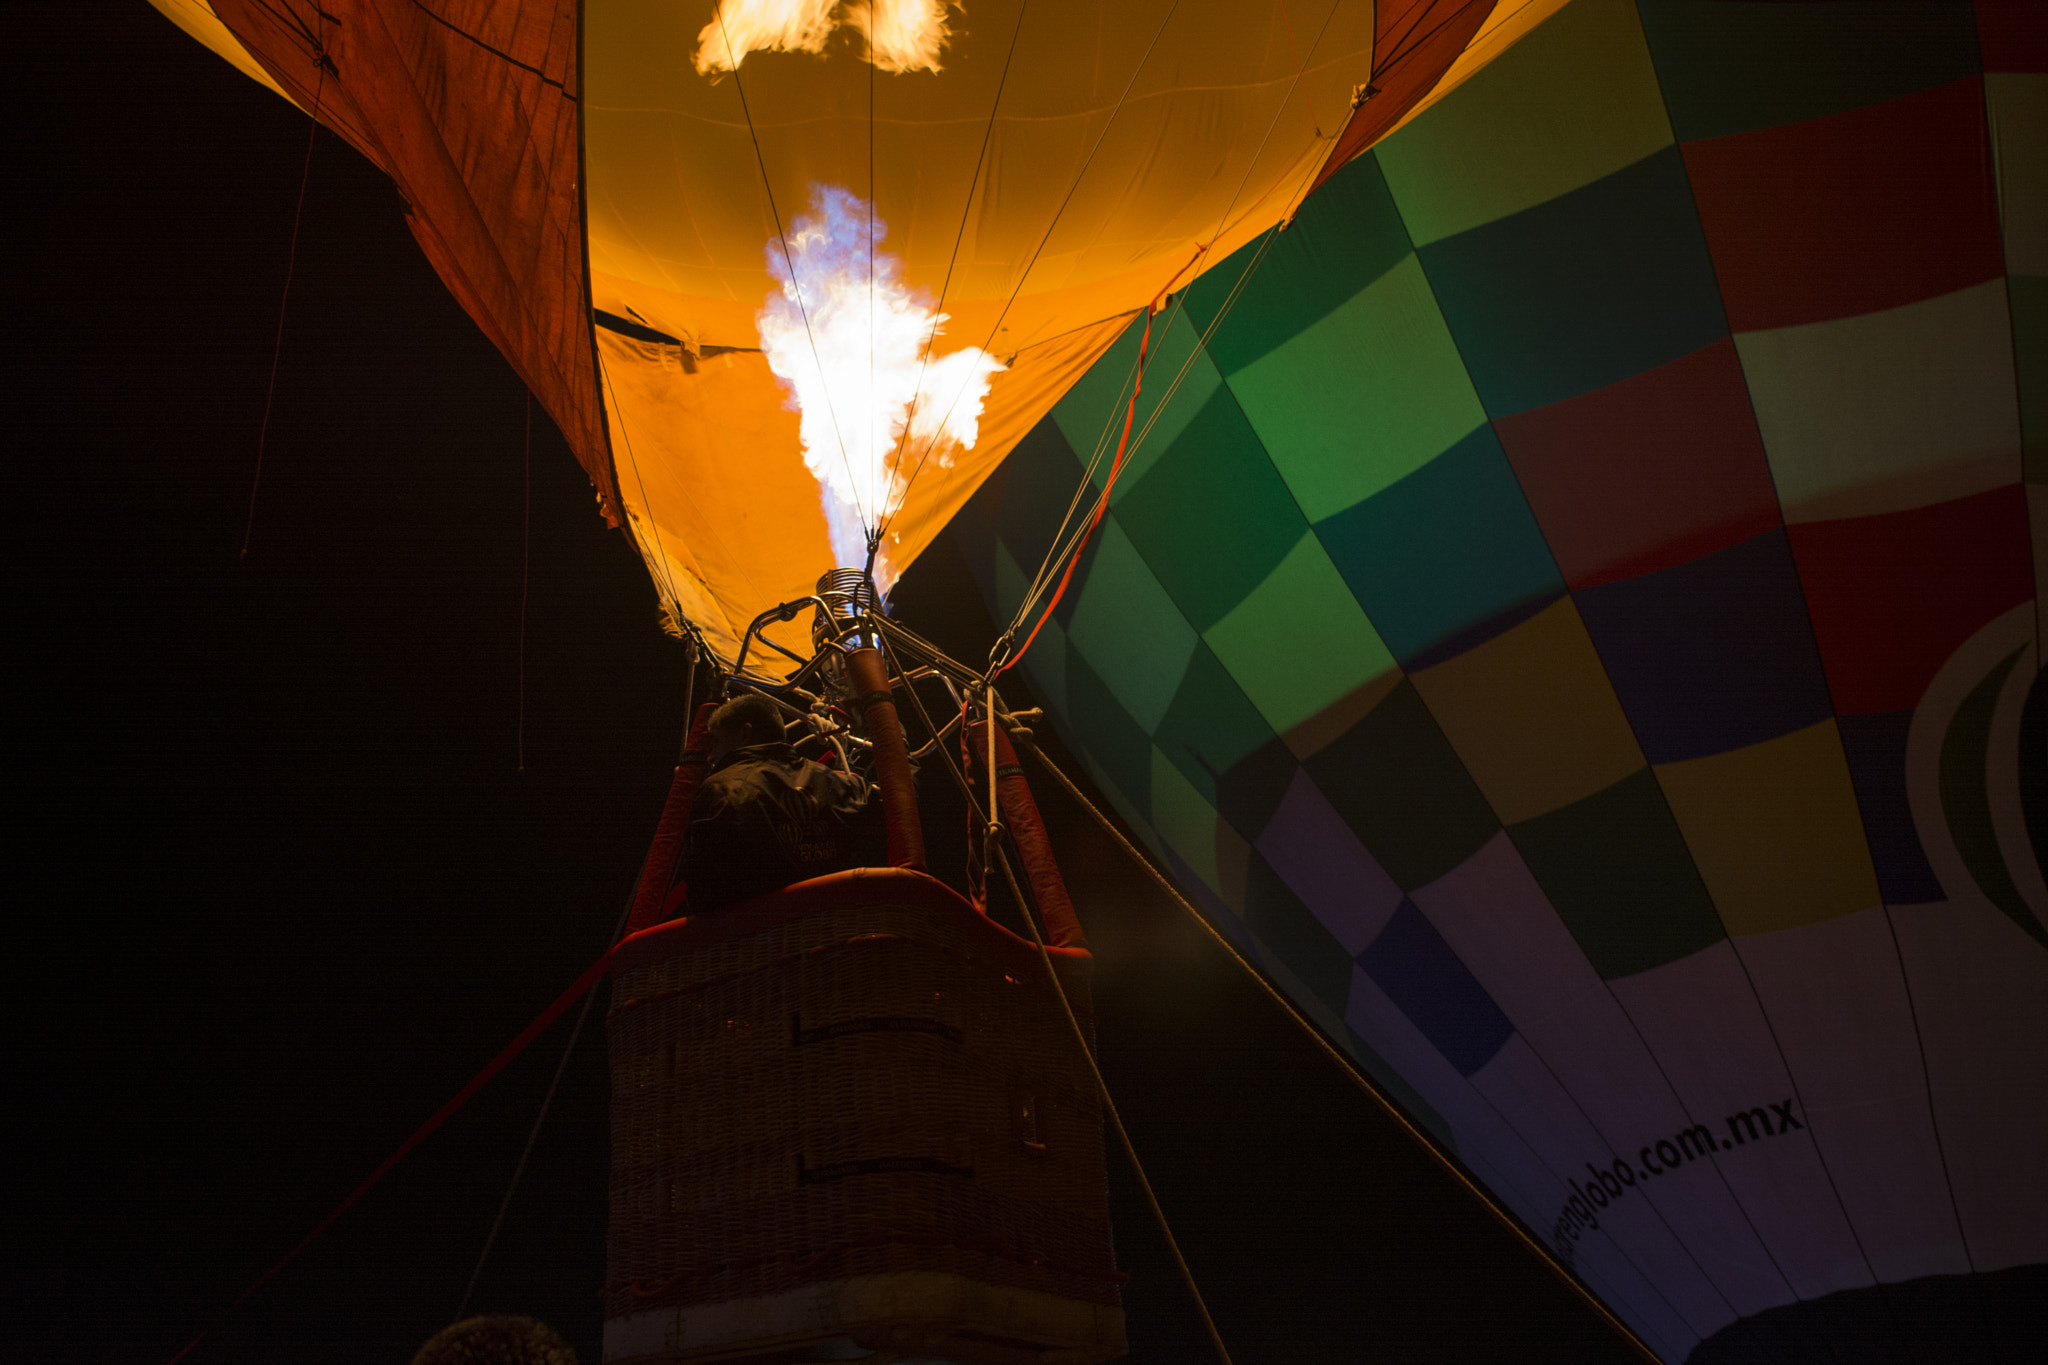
(525, 574)
(1060, 212)
(291, 262)
(1315, 1035)
(1055, 555)
(569, 1049)
(995, 853)
(533, 1134)
(959, 778)
(1065, 547)
(1080, 542)
(665, 579)
(966, 207)
(796, 284)
(1116, 1120)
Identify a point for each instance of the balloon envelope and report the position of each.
(1575, 622)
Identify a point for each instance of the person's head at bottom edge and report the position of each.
(496, 1340)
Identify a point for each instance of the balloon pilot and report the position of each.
(765, 816)
(789, 780)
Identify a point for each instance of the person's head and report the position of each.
(496, 1341)
(749, 718)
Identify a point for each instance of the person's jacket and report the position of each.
(765, 818)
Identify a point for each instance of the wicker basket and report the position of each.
(847, 1118)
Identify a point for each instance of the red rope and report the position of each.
(1101, 507)
(441, 1116)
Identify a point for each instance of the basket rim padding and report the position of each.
(834, 891)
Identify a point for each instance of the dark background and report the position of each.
(275, 884)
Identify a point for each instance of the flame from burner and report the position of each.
(851, 352)
(901, 35)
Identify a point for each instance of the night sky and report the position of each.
(275, 884)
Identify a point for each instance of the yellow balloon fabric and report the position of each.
(197, 18)
(1126, 146)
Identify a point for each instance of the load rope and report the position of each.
(575, 1034)
(1116, 1120)
(291, 262)
(533, 1134)
(447, 1111)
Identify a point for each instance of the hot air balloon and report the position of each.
(792, 276)
(1565, 603)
